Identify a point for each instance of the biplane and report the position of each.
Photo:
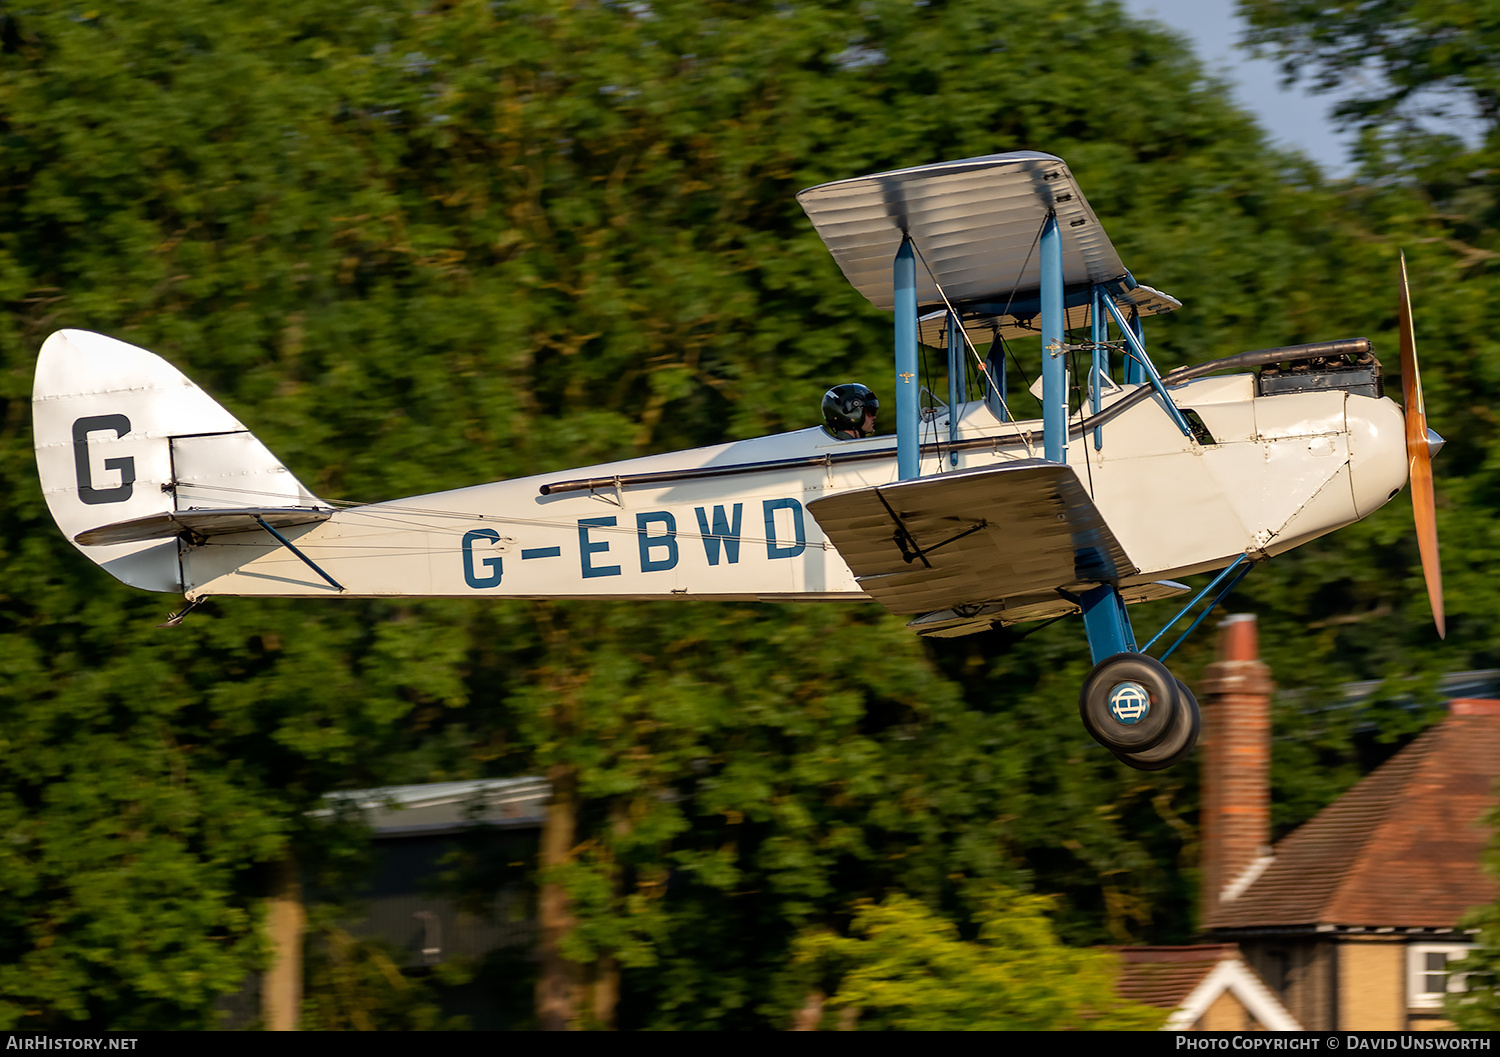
(972, 519)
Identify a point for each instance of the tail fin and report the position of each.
(130, 450)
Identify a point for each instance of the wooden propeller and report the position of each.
(1421, 443)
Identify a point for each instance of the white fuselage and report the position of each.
(1284, 469)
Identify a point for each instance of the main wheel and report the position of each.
(1174, 748)
(1129, 703)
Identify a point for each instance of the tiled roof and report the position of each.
(1165, 976)
(1401, 849)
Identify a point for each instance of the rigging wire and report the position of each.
(968, 342)
(1077, 388)
(1014, 286)
(1006, 350)
(936, 439)
(1005, 345)
(968, 385)
(1051, 214)
(1045, 624)
(1088, 322)
(394, 516)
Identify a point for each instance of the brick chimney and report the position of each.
(1234, 751)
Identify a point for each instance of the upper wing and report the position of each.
(975, 222)
(972, 536)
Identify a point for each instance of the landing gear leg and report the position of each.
(1106, 623)
(1130, 703)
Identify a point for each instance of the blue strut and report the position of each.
(908, 451)
(1054, 358)
(1106, 623)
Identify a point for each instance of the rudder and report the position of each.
(122, 435)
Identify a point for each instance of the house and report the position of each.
(403, 906)
(1353, 918)
(414, 828)
(1208, 987)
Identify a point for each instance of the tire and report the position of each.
(1176, 746)
(1129, 703)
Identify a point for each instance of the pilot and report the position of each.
(849, 411)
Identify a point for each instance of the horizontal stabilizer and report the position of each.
(200, 523)
(973, 537)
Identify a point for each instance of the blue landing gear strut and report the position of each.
(1106, 623)
(1130, 703)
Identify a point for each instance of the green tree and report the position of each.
(903, 967)
(1419, 50)
(420, 246)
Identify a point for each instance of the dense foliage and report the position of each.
(902, 967)
(417, 246)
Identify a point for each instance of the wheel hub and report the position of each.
(1129, 703)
